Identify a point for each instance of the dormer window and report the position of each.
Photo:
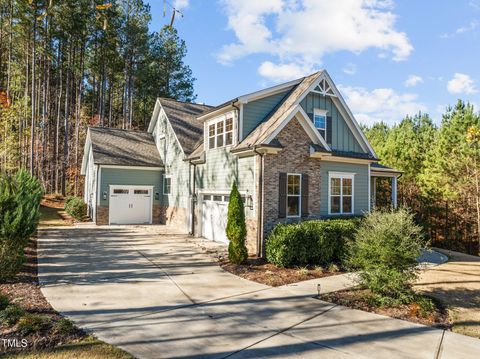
(220, 134)
(320, 121)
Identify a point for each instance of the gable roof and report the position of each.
(261, 134)
(111, 146)
(183, 118)
(290, 105)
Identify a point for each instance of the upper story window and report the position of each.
(220, 133)
(320, 121)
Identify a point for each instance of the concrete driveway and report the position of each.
(158, 296)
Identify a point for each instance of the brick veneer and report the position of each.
(102, 214)
(294, 158)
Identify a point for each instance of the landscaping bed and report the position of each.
(39, 324)
(423, 310)
(260, 271)
(30, 327)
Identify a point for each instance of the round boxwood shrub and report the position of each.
(317, 242)
(76, 207)
(384, 253)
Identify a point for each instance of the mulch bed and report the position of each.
(258, 270)
(355, 298)
(24, 291)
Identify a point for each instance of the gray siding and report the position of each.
(342, 137)
(361, 181)
(222, 169)
(121, 176)
(172, 156)
(255, 112)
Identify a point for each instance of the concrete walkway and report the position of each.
(158, 296)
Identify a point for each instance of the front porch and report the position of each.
(383, 184)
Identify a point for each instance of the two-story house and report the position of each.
(295, 151)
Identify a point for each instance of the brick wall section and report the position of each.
(102, 215)
(174, 216)
(294, 158)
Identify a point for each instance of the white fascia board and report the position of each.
(133, 167)
(268, 91)
(349, 113)
(86, 151)
(306, 124)
(154, 118)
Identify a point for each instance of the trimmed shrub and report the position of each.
(318, 242)
(32, 323)
(76, 207)
(236, 228)
(384, 252)
(11, 314)
(20, 197)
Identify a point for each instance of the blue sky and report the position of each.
(389, 58)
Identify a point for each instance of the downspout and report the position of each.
(193, 199)
(260, 204)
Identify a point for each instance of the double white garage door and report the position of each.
(130, 205)
(214, 217)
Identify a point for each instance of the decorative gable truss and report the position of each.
(324, 89)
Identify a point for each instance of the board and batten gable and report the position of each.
(172, 156)
(342, 137)
(255, 112)
(110, 176)
(361, 184)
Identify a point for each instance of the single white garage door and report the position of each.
(214, 217)
(130, 205)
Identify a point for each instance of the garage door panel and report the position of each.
(214, 219)
(130, 205)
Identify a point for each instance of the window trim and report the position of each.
(320, 112)
(294, 195)
(341, 176)
(223, 118)
(163, 185)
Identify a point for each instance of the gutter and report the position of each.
(260, 205)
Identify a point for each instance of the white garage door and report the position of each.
(214, 217)
(130, 205)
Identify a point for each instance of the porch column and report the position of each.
(394, 192)
(374, 193)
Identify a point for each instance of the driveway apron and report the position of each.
(150, 292)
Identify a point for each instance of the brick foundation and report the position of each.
(103, 212)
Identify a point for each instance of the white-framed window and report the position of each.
(220, 133)
(320, 121)
(340, 193)
(294, 194)
(211, 136)
(167, 185)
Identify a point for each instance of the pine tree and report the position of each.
(236, 228)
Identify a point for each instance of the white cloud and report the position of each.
(382, 104)
(301, 32)
(471, 26)
(181, 4)
(282, 72)
(413, 80)
(350, 69)
(461, 83)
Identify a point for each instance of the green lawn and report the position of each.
(51, 216)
